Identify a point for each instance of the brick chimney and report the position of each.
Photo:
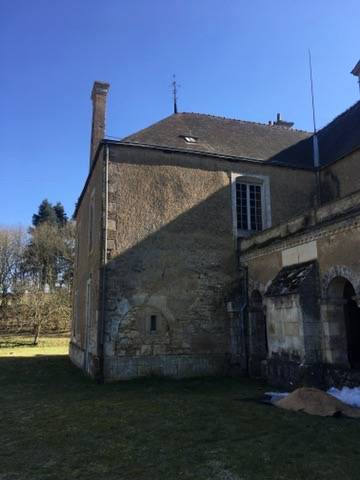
(98, 97)
(282, 123)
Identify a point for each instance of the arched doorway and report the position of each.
(352, 324)
(343, 323)
(258, 346)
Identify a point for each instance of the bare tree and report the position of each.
(12, 244)
(48, 308)
(36, 271)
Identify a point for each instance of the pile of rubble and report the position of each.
(314, 402)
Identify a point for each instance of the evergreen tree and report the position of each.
(50, 250)
(61, 216)
(46, 214)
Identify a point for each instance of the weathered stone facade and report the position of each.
(166, 281)
(308, 330)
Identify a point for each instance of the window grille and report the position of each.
(249, 206)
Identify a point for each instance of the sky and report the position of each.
(233, 58)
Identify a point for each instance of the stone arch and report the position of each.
(339, 271)
(256, 298)
(255, 285)
(340, 316)
(257, 333)
(131, 322)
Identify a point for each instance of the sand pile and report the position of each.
(316, 402)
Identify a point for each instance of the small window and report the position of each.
(249, 206)
(153, 323)
(189, 139)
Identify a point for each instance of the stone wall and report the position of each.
(84, 331)
(172, 255)
(332, 240)
(172, 258)
(171, 365)
(339, 179)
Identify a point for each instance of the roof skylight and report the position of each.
(189, 139)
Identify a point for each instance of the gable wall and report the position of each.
(172, 254)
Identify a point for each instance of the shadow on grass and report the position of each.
(159, 428)
(49, 370)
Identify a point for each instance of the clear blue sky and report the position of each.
(235, 58)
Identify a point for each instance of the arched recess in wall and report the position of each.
(341, 318)
(255, 286)
(145, 326)
(340, 271)
(258, 346)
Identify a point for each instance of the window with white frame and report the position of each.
(88, 305)
(248, 206)
(251, 203)
(77, 251)
(75, 325)
(91, 221)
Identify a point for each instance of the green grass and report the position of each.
(58, 424)
(23, 345)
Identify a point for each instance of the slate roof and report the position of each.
(250, 140)
(290, 279)
(337, 139)
(218, 135)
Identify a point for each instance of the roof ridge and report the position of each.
(280, 127)
(342, 114)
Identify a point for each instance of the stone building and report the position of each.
(210, 246)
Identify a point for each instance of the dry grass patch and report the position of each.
(23, 345)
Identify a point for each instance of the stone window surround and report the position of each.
(77, 248)
(91, 232)
(153, 324)
(75, 325)
(88, 309)
(264, 183)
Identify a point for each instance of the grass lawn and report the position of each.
(57, 424)
(23, 346)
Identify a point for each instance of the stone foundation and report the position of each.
(176, 366)
(290, 374)
(76, 355)
(87, 361)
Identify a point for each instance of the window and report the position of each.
(189, 139)
(91, 221)
(248, 206)
(88, 310)
(153, 323)
(77, 254)
(251, 203)
(75, 326)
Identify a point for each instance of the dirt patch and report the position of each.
(316, 402)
